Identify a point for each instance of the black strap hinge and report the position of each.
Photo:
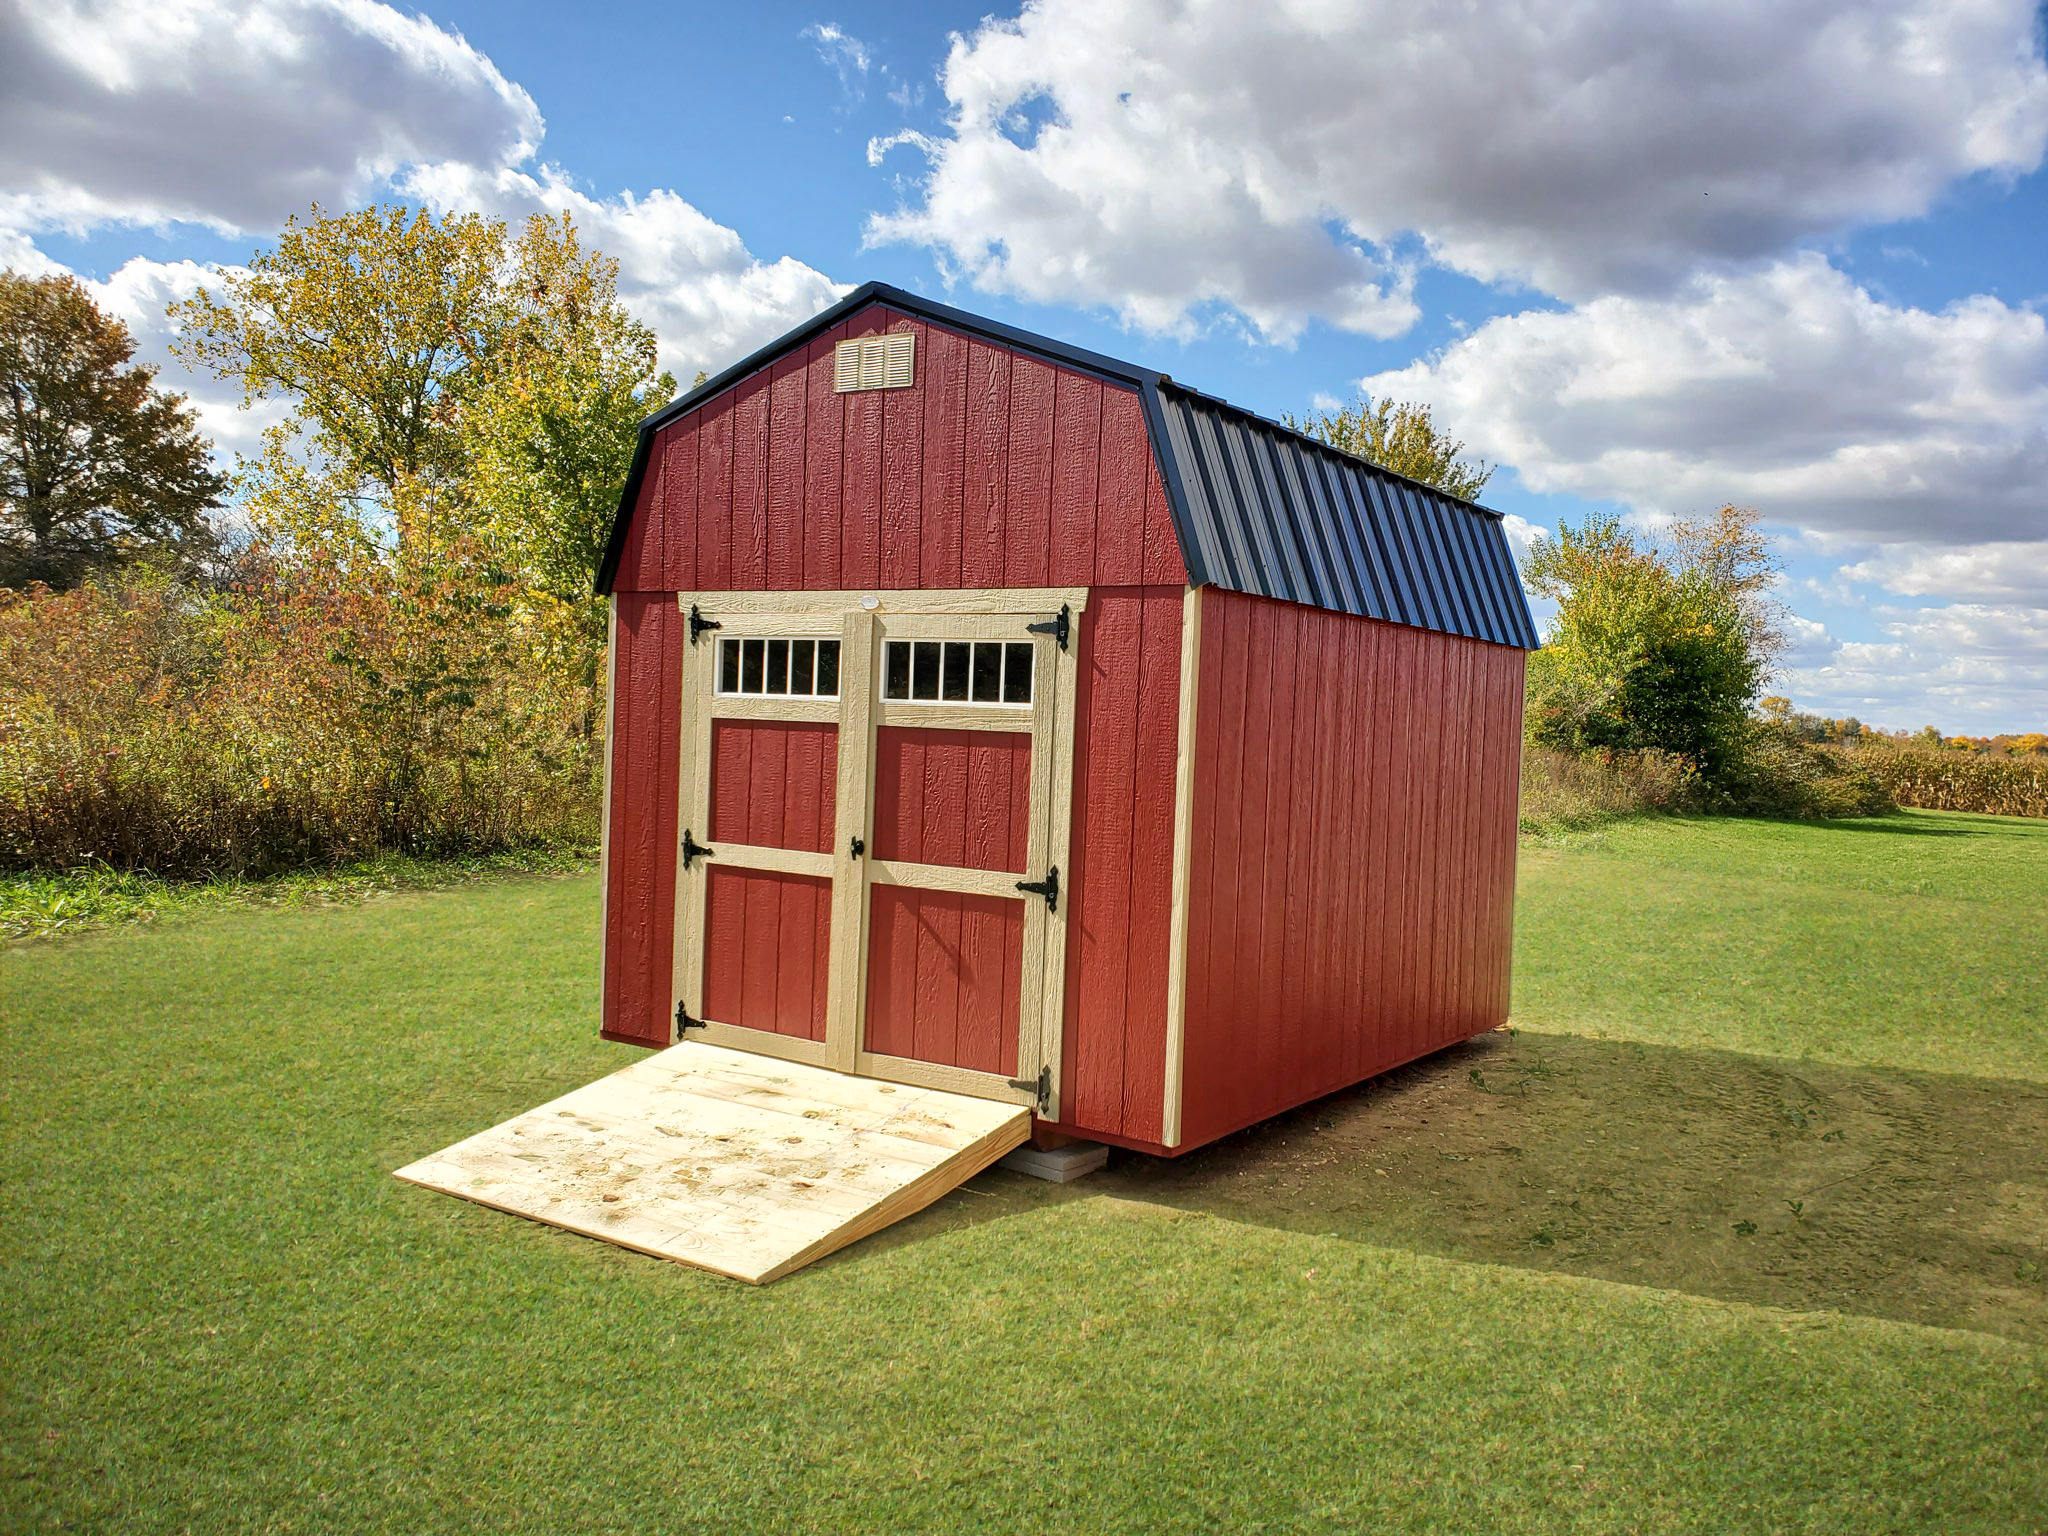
(684, 1021)
(692, 849)
(698, 624)
(1049, 888)
(1040, 1085)
(1057, 626)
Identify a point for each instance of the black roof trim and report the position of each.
(1258, 506)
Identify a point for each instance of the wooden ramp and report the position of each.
(739, 1164)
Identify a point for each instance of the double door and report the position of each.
(875, 795)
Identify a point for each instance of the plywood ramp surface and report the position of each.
(739, 1164)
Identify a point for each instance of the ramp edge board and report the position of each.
(742, 1165)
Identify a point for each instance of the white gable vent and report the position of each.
(874, 362)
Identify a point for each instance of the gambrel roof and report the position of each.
(1257, 507)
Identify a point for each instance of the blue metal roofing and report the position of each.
(1258, 507)
(1266, 510)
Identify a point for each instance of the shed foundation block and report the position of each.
(1058, 1165)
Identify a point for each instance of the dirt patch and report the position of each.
(1914, 1196)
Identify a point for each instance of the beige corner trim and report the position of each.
(1183, 841)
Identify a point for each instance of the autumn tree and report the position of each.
(551, 432)
(1402, 436)
(97, 465)
(372, 329)
(1658, 644)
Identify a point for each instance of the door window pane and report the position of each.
(779, 668)
(1017, 673)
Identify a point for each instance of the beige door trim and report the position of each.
(861, 620)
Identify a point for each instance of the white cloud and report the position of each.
(1790, 389)
(233, 113)
(1969, 667)
(690, 278)
(846, 54)
(2016, 570)
(1158, 156)
(136, 294)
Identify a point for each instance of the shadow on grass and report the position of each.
(1895, 826)
(1917, 1197)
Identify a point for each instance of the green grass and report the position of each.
(1402, 1309)
(40, 904)
(1917, 940)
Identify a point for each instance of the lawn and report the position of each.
(1742, 1229)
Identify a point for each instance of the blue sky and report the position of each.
(1649, 258)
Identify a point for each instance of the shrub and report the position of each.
(1775, 772)
(1568, 791)
(293, 721)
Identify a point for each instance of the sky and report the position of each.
(1647, 258)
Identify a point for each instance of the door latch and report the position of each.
(698, 624)
(855, 848)
(693, 849)
(1040, 1085)
(1049, 888)
(1057, 626)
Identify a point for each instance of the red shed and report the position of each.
(996, 716)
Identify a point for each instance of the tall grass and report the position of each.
(1566, 791)
(294, 722)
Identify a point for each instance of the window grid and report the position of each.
(778, 668)
(985, 672)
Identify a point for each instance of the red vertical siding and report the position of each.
(1117, 889)
(992, 469)
(774, 783)
(767, 942)
(1353, 853)
(641, 831)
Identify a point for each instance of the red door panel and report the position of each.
(774, 783)
(953, 797)
(943, 970)
(767, 941)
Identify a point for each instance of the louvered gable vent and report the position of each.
(874, 362)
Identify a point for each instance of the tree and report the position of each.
(373, 327)
(1661, 647)
(97, 465)
(553, 430)
(1402, 436)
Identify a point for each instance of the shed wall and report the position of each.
(1351, 882)
(640, 822)
(993, 469)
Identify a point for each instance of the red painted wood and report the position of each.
(956, 1004)
(748, 522)
(774, 783)
(1098, 874)
(1391, 848)
(1076, 458)
(785, 498)
(987, 471)
(679, 507)
(952, 797)
(640, 865)
(715, 495)
(942, 495)
(985, 486)
(767, 936)
(824, 426)
(1028, 505)
(903, 471)
(1151, 869)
